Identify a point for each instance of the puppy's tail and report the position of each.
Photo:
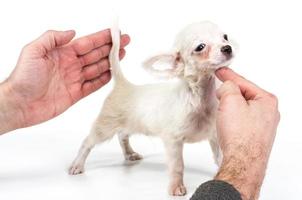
(114, 54)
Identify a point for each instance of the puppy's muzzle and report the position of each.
(226, 50)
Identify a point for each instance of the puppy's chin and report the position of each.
(224, 63)
(211, 67)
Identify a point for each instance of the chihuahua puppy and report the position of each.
(177, 111)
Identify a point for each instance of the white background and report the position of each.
(34, 161)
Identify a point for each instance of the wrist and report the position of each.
(244, 168)
(11, 116)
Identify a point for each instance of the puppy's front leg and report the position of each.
(217, 154)
(176, 167)
(77, 166)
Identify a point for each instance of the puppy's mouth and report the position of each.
(223, 62)
(227, 61)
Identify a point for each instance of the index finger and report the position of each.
(87, 43)
(248, 89)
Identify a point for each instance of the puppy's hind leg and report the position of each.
(98, 134)
(128, 152)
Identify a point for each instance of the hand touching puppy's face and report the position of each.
(198, 47)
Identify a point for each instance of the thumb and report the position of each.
(51, 39)
(228, 88)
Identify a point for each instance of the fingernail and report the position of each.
(223, 68)
(128, 37)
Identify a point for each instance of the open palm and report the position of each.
(54, 72)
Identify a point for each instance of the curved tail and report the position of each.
(114, 54)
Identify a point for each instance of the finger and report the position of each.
(51, 39)
(87, 43)
(92, 85)
(101, 52)
(228, 88)
(248, 89)
(122, 54)
(93, 71)
(96, 69)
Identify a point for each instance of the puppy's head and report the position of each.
(199, 48)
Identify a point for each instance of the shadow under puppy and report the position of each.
(177, 111)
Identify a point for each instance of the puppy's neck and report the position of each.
(202, 91)
(202, 84)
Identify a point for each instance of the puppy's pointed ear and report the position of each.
(164, 65)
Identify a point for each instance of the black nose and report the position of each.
(227, 49)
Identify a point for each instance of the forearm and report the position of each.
(10, 114)
(244, 171)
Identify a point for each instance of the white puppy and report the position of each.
(177, 111)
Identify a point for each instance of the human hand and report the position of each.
(54, 72)
(246, 125)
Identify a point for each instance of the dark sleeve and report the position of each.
(216, 190)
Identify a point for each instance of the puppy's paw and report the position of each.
(133, 156)
(177, 190)
(75, 169)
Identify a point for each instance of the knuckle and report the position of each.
(232, 96)
(91, 43)
(228, 82)
(26, 47)
(104, 66)
(99, 67)
(101, 53)
(229, 89)
(49, 31)
(272, 96)
(50, 34)
(82, 61)
(272, 105)
(238, 78)
(273, 99)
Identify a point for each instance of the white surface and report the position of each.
(33, 161)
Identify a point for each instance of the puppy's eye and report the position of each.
(200, 47)
(225, 36)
